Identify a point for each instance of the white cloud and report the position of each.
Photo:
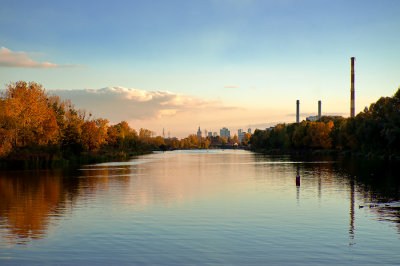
(119, 103)
(314, 114)
(157, 110)
(9, 58)
(231, 87)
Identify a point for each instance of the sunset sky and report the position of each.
(178, 64)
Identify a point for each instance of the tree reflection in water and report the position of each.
(31, 202)
(373, 183)
(378, 186)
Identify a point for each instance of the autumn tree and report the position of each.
(27, 115)
(158, 141)
(234, 139)
(319, 133)
(94, 134)
(172, 143)
(32, 119)
(246, 138)
(145, 135)
(7, 132)
(205, 144)
(122, 136)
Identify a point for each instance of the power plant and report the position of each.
(352, 88)
(352, 100)
(309, 118)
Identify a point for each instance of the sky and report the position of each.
(177, 64)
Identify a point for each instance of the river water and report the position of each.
(229, 207)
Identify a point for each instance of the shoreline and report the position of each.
(330, 152)
(52, 161)
(47, 161)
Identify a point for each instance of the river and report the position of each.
(229, 207)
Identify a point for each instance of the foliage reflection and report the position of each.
(32, 202)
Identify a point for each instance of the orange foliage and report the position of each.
(36, 124)
(312, 134)
(94, 134)
(26, 115)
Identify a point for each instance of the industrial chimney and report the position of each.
(352, 88)
(319, 109)
(297, 111)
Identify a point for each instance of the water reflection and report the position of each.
(33, 202)
(378, 186)
(352, 210)
(28, 200)
(368, 182)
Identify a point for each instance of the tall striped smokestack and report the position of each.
(319, 109)
(297, 111)
(352, 89)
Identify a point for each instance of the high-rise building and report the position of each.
(297, 111)
(224, 132)
(241, 134)
(199, 133)
(249, 130)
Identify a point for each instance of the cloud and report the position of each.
(314, 114)
(178, 114)
(9, 58)
(263, 125)
(231, 87)
(119, 103)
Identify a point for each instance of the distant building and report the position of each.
(224, 132)
(249, 130)
(312, 118)
(241, 134)
(199, 133)
(215, 134)
(210, 134)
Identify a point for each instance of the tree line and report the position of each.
(209, 142)
(376, 130)
(35, 124)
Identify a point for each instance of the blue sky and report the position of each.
(246, 61)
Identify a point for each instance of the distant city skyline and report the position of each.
(180, 64)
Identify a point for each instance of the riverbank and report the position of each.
(54, 161)
(332, 153)
(52, 158)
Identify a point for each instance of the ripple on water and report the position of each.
(198, 207)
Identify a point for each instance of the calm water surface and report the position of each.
(202, 207)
